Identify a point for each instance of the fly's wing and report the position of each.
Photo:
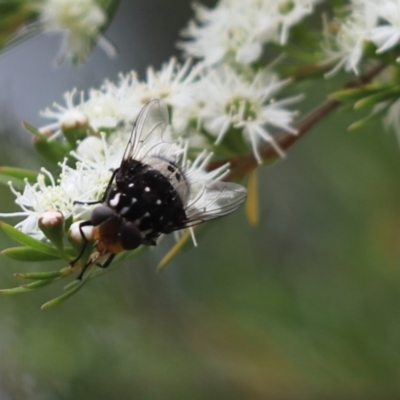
(148, 130)
(216, 200)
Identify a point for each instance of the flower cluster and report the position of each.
(216, 100)
(236, 31)
(367, 21)
(222, 106)
(96, 158)
(214, 105)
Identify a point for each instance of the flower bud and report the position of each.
(51, 223)
(74, 125)
(75, 235)
(77, 240)
(73, 119)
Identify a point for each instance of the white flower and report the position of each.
(172, 83)
(176, 86)
(35, 200)
(80, 21)
(289, 13)
(376, 21)
(96, 159)
(387, 35)
(116, 104)
(237, 30)
(229, 101)
(345, 48)
(69, 116)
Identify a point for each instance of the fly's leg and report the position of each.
(83, 270)
(105, 265)
(107, 262)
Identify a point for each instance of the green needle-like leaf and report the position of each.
(118, 259)
(374, 99)
(353, 94)
(28, 240)
(72, 285)
(27, 288)
(42, 275)
(17, 183)
(30, 128)
(64, 296)
(19, 173)
(28, 254)
(17, 176)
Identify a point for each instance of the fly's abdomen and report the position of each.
(149, 200)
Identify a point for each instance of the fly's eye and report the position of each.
(100, 214)
(130, 237)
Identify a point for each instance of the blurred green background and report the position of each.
(305, 306)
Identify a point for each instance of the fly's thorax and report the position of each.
(106, 235)
(112, 233)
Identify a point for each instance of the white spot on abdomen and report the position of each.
(115, 200)
(124, 210)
